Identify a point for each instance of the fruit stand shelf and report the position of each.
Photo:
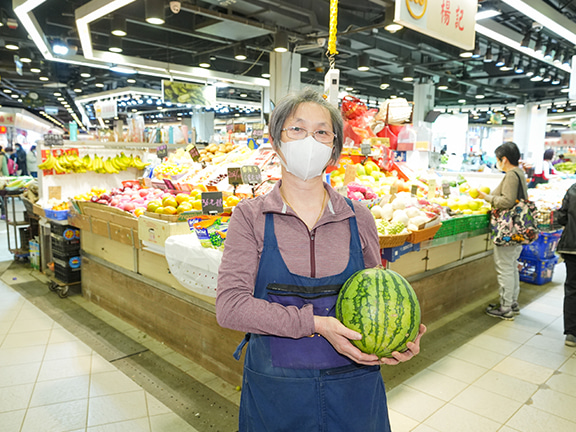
(454, 238)
(113, 145)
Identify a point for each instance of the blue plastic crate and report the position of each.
(537, 271)
(56, 214)
(544, 246)
(392, 254)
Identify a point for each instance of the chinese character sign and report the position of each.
(451, 21)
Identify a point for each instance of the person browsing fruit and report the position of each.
(287, 255)
(512, 188)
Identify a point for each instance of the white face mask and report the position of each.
(305, 158)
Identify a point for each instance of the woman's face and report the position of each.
(309, 116)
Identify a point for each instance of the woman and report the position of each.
(512, 188)
(287, 255)
(566, 216)
(547, 170)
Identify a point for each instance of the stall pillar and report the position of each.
(284, 74)
(530, 131)
(423, 103)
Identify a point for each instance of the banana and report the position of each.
(58, 168)
(48, 164)
(138, 164)
(109, 168)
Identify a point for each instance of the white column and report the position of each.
(284, 74)
(423, 101)
(529, 133)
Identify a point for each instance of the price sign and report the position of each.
(169, 184)
(432, 189)
(212, 203)
(446, 189)
(251, 174)
(414, 190)
(53, 140)
(194, 153)
(162, 151)
(349, 174)
(394, 189)
(365, 149)
(235, 176)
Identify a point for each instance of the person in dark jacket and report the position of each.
(566, 216)
(21, 159)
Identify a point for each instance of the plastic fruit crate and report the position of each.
(56, 214)
(393, 253)
(447, 229)
(65, 247)
(537, 271)
(67, 271)
(69, 232)
(69, 259)
(544, 246)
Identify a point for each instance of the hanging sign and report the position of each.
(193, 151)
(251, 174)
(106, 109)
(451, 21)
(162, 151)
(53, 139)
(212, 203)
(234, 175)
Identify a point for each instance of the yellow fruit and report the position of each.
(169, 210)
(139, 211)
(182, 197)
(232, 200)
(360, 170)
(473, 193)
(170, 201)
(184, 207)
(197, 204)
(159, 210)
(464, 187)
(194, 193)
(153, 205)
(484, 189)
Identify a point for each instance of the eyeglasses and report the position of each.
(297, 133)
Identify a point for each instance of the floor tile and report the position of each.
(539, 356)
(556, 403)
(116, 408)
(60, 390)
(563, 383)
(138, 425)
(530, 419)
(487, 404)
(100, 364)
(524, 370)
(108, 383)
(65, 368)
(507, 386)
(435, 384)
(31, 312)
(19, 374)
(478, 356)
(12, 421)
(169, 422)
(424, 428)
(15, 397)
(569, 367)
(451, 418)
(413, 403)
(57, 351)
(14, 340)
(458, 369)
(21, 355)
(509, 332)
(61, 335)
(57, 417)
(553, 345)
(401, 423)
(496, 344)
(155, 407)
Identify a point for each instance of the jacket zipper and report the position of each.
(312, 255)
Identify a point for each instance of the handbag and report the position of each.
(517, 225)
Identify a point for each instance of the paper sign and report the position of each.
(55, 192)
(235, 176)
(365, 149)
(432, 189)
(251, 174)
(212, 203)
(194, 153)
(394, 189)
(162, 151)
(446, 189)
(349, 174)
(53, 139)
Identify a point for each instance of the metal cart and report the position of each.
(17, 224)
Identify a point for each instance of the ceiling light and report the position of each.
(61, 99)
(363, 62)
(115, 45)
(488, 56)
(118, 26)
(547, 77)
(476, 53)
(60, 48)
(204, 61)
(558, 57)
(281, 41)
(390, 25)
(12, 46)
(549, 54)
(77, 89)
(501, 60)
(408, 74)
(154, 10)
(530, 72)
(240, 52)
(15, 96)
(519, 69)
(487, 13)
(538, 48)
(443, 84)
(508, 62)
(526, 40)
(265, 71)
(466, 54)
(44, 78)
(35, 70)
(462, 101)
(99, 84)
(122, 69)
(480, 93)
(243, 95)
(25, 56)
(384, 83)
(537, 76)
(555, 80)
(131, 81)
(8, 91)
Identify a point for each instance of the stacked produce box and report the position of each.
(65, 242)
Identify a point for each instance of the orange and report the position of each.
(153, 205)
(139, 211)
(194, 193)
(169, 210)
(159, 210)
(185, 206)
(197, 205)
(232, 200)
(182, 197)
(170, 201)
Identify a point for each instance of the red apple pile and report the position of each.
(133, 199)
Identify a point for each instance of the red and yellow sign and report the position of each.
(451, 21)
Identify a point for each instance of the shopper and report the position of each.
(505, 196)
(32, 161)
(547, 170)
(11, 161)
(21, 160)
(4, 162)
(287, 254)
(566, 216)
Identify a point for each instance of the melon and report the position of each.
(382, 306)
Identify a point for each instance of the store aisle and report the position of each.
(67, 365)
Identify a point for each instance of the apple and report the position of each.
(101, 201)
(143, 192)
(129, 206)
(114, 201)
(105, 197)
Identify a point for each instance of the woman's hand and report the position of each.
(413, 349)
(339, 337)
(482, 195)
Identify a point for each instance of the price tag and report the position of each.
(394, 189)
(53, 140)
(414, 190)
(169, 184)
(365, 149)
(212, 203)
(432, 189)
(162, 151)
(235, 176)
(446, 189)
(194, 153)
(349, 174)
(251, 174)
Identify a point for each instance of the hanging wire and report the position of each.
(331, 52)
(253, 64)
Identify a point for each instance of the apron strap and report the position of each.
(240, 347)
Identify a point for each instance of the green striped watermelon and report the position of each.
(382, 306)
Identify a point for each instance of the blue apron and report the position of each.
(305, 384)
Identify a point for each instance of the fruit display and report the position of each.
(411, 212)
(388, 228)
(566, 167)
(87, 196)
(381, 306)
(70, 162)
(214, 152)
(17, 183)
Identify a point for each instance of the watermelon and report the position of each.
(382, 306)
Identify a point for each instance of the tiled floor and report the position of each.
(499, 376)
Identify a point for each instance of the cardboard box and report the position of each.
(34, 248)
(156, 231)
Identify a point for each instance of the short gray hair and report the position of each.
(290, 103)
